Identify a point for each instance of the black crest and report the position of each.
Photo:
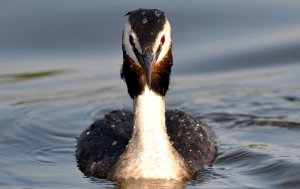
(147, 23)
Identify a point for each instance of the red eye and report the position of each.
(162, 40)
(131, 40)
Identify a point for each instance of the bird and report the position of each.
(149, 142)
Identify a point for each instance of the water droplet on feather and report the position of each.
(145, 21)
(157, 13)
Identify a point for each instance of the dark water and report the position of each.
(237, 66)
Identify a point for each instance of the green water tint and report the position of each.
(266, 122)
(258, 146)
(30, 75)
(278, 123)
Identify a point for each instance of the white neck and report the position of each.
(149, 121)
(150, 153)
(150, 145)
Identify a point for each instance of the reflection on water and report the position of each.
(59, 71)
(150, 184)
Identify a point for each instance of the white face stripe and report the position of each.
(165, 48)
(128, 48)
(168, 40)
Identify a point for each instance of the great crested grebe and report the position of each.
(150, 143)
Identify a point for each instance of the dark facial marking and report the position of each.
(161, 74)
(134, 75)
(131, 41)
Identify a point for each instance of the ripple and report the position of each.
(292, 98)
(48, 154)
(40, 155)
(240, 158)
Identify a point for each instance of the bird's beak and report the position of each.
(148, 60)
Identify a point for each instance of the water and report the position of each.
(236, 66)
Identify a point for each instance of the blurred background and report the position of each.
(236, 66)
(208, 35)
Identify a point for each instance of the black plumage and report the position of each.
(100, 146)
(149, 20)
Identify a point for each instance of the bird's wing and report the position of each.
(101, 144)
(191, 138)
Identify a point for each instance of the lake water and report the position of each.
(236, 66)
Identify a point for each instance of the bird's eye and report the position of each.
(162, 40)
(131, 40)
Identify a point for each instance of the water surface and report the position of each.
(236, 66)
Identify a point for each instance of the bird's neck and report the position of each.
(150, 153)
(149, 121)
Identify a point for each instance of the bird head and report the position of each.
(147, 51)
